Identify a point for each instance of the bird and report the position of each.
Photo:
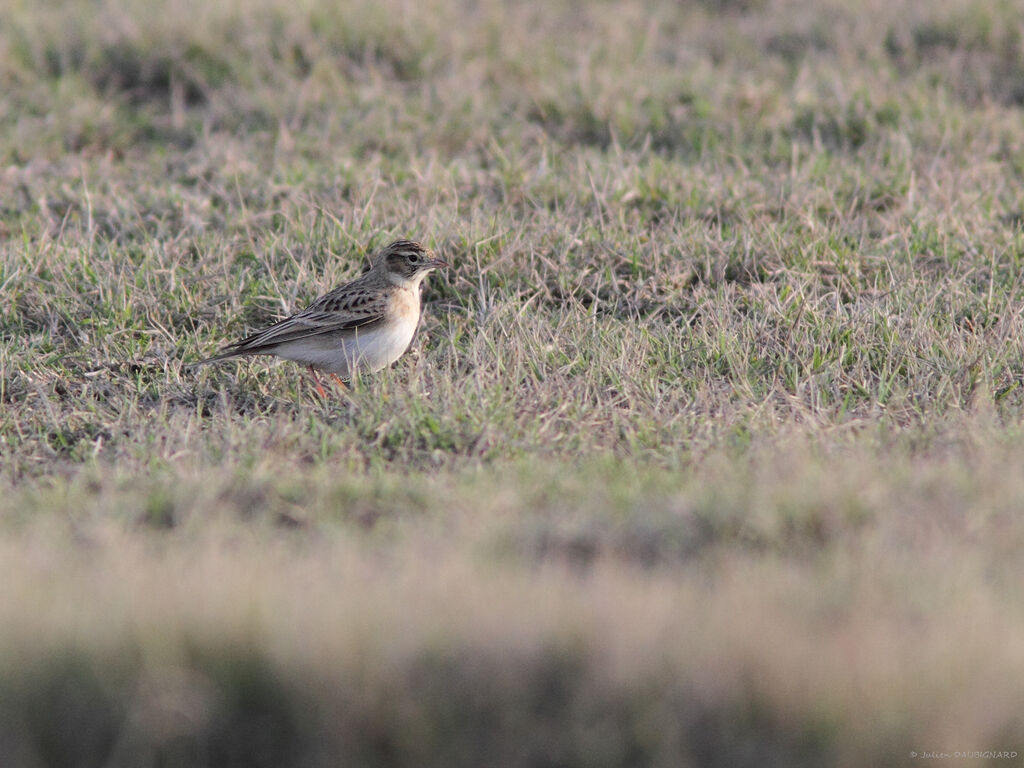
(359, 327)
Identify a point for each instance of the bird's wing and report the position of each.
(343, 309)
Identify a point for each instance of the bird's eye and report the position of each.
(414, 258)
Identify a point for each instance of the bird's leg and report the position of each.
(316, 380)
(341, 382)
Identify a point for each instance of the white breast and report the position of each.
(377, 348)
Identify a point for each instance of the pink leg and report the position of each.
(316, 381)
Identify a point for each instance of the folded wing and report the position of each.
(333, 312)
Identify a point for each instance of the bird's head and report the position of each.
(406, 261)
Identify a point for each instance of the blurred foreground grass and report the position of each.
(708, 453)
(789, 608)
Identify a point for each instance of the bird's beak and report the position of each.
(438, 263)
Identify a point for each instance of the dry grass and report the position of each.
(708, 453)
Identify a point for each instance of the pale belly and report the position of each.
(362, 350)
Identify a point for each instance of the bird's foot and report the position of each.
(317, 384)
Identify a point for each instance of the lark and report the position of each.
(359, 327)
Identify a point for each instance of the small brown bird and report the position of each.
(361, 326)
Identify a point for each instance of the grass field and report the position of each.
(709, 451)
